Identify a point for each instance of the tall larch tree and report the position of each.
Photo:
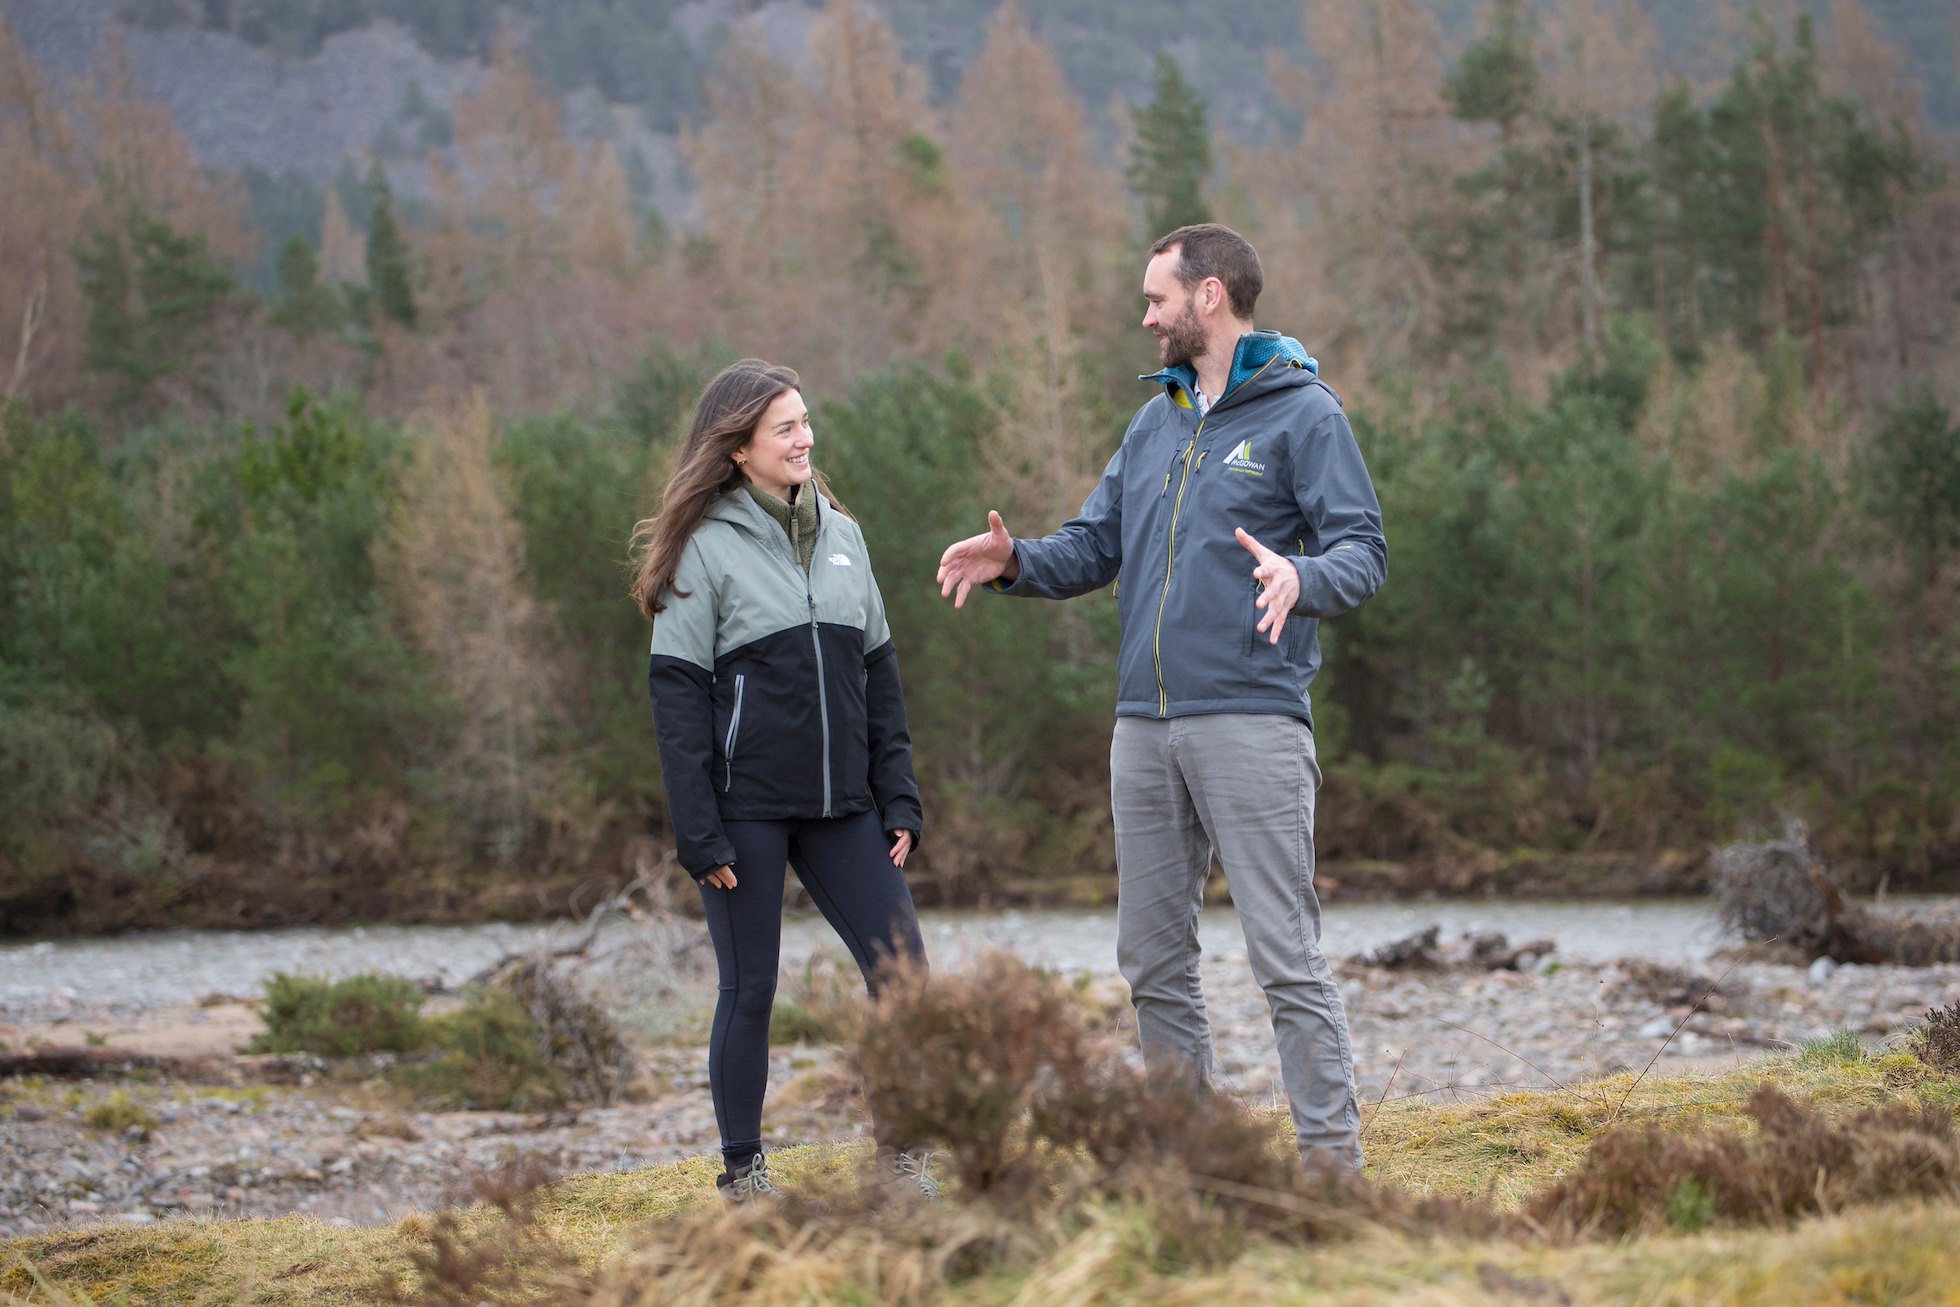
(875, 196)
(1024, 155)
(518, 169)
(1374, 158)
(1600, 74)
(747, 182)
(1050, 216)
(343, 252)
(45, 178)
(453, 563)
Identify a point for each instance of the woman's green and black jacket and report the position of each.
(775, 688)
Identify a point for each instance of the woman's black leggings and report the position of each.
(845, 864)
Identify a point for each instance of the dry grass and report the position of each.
(1905, 1253)
(1067, 1201)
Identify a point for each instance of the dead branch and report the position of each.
(74, 1061)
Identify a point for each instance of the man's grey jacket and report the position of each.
(1274, 455)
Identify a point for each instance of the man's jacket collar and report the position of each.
(1255, 350)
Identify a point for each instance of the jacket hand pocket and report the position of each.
(734, 734)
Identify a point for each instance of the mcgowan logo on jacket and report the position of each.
(1241, 460)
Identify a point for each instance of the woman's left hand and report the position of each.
(901, 845)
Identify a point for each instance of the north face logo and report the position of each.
(840, 560)
(1241, 460)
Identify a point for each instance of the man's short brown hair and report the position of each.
(1211, 249)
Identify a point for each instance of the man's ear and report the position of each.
(1214, 291)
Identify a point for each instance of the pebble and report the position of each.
(334, 1152)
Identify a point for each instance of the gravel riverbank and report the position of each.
(346, 1150)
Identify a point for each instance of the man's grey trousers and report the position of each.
(1242, 784)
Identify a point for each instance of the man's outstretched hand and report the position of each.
(977, 560)
(1279, 585)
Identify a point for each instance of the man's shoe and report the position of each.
(748, 1182)
(911, 1172)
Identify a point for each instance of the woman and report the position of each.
(781, 726)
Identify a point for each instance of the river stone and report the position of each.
(1821, 972)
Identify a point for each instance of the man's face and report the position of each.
(1170, 312)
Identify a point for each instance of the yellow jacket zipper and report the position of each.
(1170, 547)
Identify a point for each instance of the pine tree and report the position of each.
(1495, 83)
(1497, 76)
(387, 254)
(1911, 468)
(154, 299)
(305, 306)
(1171, 156)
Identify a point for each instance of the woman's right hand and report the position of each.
(724, 878)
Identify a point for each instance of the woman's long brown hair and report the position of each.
(724, 420)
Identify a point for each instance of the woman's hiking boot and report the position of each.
(749, 1182)
(910, 1172)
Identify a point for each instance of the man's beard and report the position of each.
(1183, 341)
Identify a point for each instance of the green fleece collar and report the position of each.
(797, 517)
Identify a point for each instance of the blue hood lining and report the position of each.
(1255, 350)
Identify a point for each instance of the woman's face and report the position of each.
(777, 456)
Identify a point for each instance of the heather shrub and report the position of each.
(1039, 1106)
(1798, 1162)
(363, 1013)
(1938, 1041)
(961, 1059)
(528, 1040)
(490, 1060)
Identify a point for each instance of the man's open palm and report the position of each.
(977, 560)
(1279, 585)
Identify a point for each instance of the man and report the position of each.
(1236, 513)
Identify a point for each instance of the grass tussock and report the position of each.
(118, 1114)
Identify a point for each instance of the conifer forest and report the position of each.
(315, 496)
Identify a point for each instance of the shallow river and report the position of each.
(182, 967)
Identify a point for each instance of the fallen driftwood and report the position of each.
(76, 1061)
(1487, 950)
(1676, 987)
(620, 904)
(1780, 890)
